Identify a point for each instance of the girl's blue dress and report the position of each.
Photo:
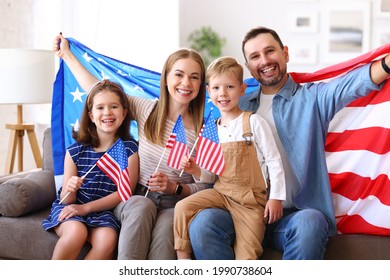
(96, 185)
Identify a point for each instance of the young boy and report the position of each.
(251, 158)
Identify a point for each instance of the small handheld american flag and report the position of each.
(179, 146)
(209, 153)
(114, 163)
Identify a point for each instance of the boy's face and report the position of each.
(225, 91)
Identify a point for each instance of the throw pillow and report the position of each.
(19, 196)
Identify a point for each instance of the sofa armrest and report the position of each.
(19, 175)
(19, 196)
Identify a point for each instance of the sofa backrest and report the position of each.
(47, 151)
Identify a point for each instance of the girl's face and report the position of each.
(107, 112)
(184, 80)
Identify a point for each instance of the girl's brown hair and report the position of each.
(87, 134)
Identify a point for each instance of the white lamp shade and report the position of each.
(26, 76)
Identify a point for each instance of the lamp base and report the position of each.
(16, 142)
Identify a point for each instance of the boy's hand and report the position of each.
(273, 211)
(188, 164)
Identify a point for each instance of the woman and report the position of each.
(147, 223)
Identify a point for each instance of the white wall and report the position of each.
(139, 32)
(232, 19)
(142, 33)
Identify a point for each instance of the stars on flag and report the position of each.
(77, 94)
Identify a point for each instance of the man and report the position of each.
(299, 116)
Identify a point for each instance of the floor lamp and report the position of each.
(26, 77)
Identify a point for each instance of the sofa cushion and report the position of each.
(24, 237)
(19, 196)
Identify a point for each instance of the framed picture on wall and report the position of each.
(303, 22)
(382, 8)
(303, 54)
(346, 30)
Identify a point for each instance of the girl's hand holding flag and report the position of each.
(71, 188)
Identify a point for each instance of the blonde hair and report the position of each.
(225, 65)
(155, 124)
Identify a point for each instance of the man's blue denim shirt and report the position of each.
(302, 114)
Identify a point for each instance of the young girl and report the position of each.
(182, 92)
(83, 209)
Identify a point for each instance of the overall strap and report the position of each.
(246, 128)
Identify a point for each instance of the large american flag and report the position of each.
(114, 163)
(358, 153)
(179, 147)
(209, 153)
(359, 176)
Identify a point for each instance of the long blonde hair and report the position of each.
(155, 125)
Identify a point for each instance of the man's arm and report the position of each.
(377, 72)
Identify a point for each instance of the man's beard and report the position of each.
(272, 81)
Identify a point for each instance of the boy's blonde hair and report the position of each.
(225, 65)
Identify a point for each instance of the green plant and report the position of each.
(207, 42)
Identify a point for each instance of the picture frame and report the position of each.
(346, 30)
(382, 8)
(303, 53)
(303, 22)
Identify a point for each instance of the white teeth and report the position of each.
(107, 121)
(183, 91)
(268, 70)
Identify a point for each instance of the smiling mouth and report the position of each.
(185, 92)
(266, 71)
(107, 121)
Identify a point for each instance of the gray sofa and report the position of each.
(25, 200)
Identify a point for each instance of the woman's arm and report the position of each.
(82, 75)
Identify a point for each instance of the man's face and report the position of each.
(266, 60)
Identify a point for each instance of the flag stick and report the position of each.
(85, 175)
(192, 150)
(158, 165)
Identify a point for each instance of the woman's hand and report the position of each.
(159, 182)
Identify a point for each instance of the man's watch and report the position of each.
(179, 189)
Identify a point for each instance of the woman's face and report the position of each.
(184, 80)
